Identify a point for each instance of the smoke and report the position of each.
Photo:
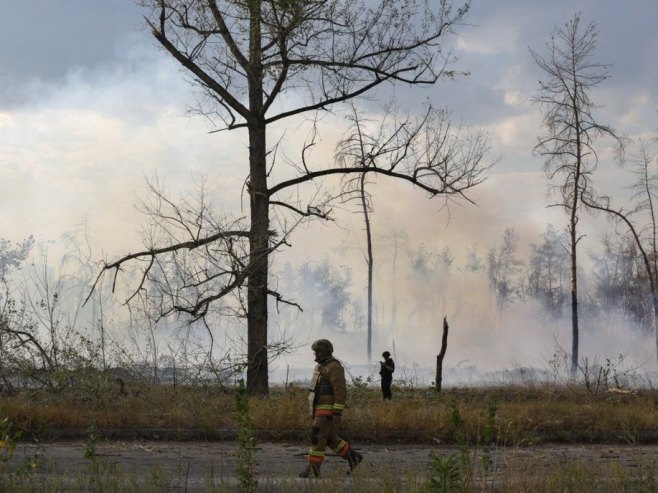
(486, 342)
(79, 136)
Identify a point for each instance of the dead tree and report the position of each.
(404, 146)
(439, 357)
(247, 57)
(640, 221)
(571, 131)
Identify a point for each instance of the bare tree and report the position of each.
(504, 268)
(247, 56)
(358, 147)
(571, 129)
(641, 220)
(395, 144)
(548, 270)
(620, 280)
(14, 334)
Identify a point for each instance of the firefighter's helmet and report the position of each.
(323, 346)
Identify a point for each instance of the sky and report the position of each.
(90, 107)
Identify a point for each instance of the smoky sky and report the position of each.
(45, 40)
(89, 105)
(70, 59)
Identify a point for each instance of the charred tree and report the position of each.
(438, 378)
(246, 56)
(568, 145)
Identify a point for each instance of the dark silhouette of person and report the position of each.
(386, 369)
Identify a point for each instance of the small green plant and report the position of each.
(361, 383)
(451, 473)
(92, 440)
(360, 387)
(246, 442)
(445, 473)
(8, 440)
(461, 438)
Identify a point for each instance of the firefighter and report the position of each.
(386, 369)
(328, 393)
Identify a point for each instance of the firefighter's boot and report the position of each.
(310, 471)
(353, 459)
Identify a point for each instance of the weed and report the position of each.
(456, 471)
(8, 441)
(92, 439)
(360, 388)
(461, 436)
(451, 473)
(445, 473)
(246, 442)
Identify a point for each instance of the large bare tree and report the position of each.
(258, 62)
(571, 130)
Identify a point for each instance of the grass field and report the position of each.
(475, 423)
(511, 415)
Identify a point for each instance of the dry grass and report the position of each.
(523, 416)
(516, 417)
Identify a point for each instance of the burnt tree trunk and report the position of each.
(439, 357)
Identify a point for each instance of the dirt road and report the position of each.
(192, 466)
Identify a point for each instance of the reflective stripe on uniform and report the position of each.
(315, 456)
(324, 410)
(342, 448)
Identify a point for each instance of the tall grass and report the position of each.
(522, 416)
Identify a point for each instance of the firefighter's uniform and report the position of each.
(327, 401)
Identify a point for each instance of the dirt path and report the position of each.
(191, 466)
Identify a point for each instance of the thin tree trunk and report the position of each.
(654, 299)
(574, 235)
(394, 301)
(574, 333)
(370, 262)
(574, 305)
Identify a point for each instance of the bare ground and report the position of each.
(192, 466)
